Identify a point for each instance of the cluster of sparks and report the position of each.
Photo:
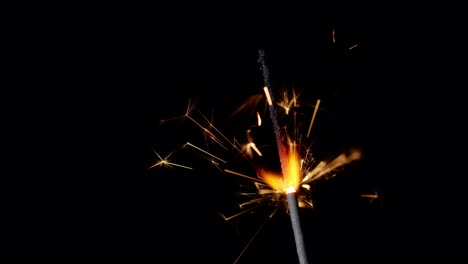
(300, 168)
(291, 186)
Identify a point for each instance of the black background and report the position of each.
(97, 83)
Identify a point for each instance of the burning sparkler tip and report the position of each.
(290, 190)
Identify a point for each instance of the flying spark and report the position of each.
(165, 162)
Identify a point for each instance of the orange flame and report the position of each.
(291, 178)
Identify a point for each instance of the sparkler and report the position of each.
(299, 168)
(290, 168)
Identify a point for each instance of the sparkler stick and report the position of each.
(287, 166)
(294, 214)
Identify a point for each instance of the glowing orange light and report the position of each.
(291, 178)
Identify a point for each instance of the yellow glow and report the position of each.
(291, 178)
(274, 180)
(293, 170)
(290, 190)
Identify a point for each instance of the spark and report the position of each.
(165, 162)
(243, 175)
(286, 103)
(247, 148)
(324, 168)
(239, 214)
(333, 35)
(267, 191)
(207, 132)
(372, 196)
(268, 96)
(278, 205)
(248, 194)
(259, 119)
(256, 200)
(303, 202)
(204, 151)
(352, 47)
(252, 145)
(313, 117)
(252, 239)
(190, 108)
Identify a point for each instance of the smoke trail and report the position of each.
(279, 133)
